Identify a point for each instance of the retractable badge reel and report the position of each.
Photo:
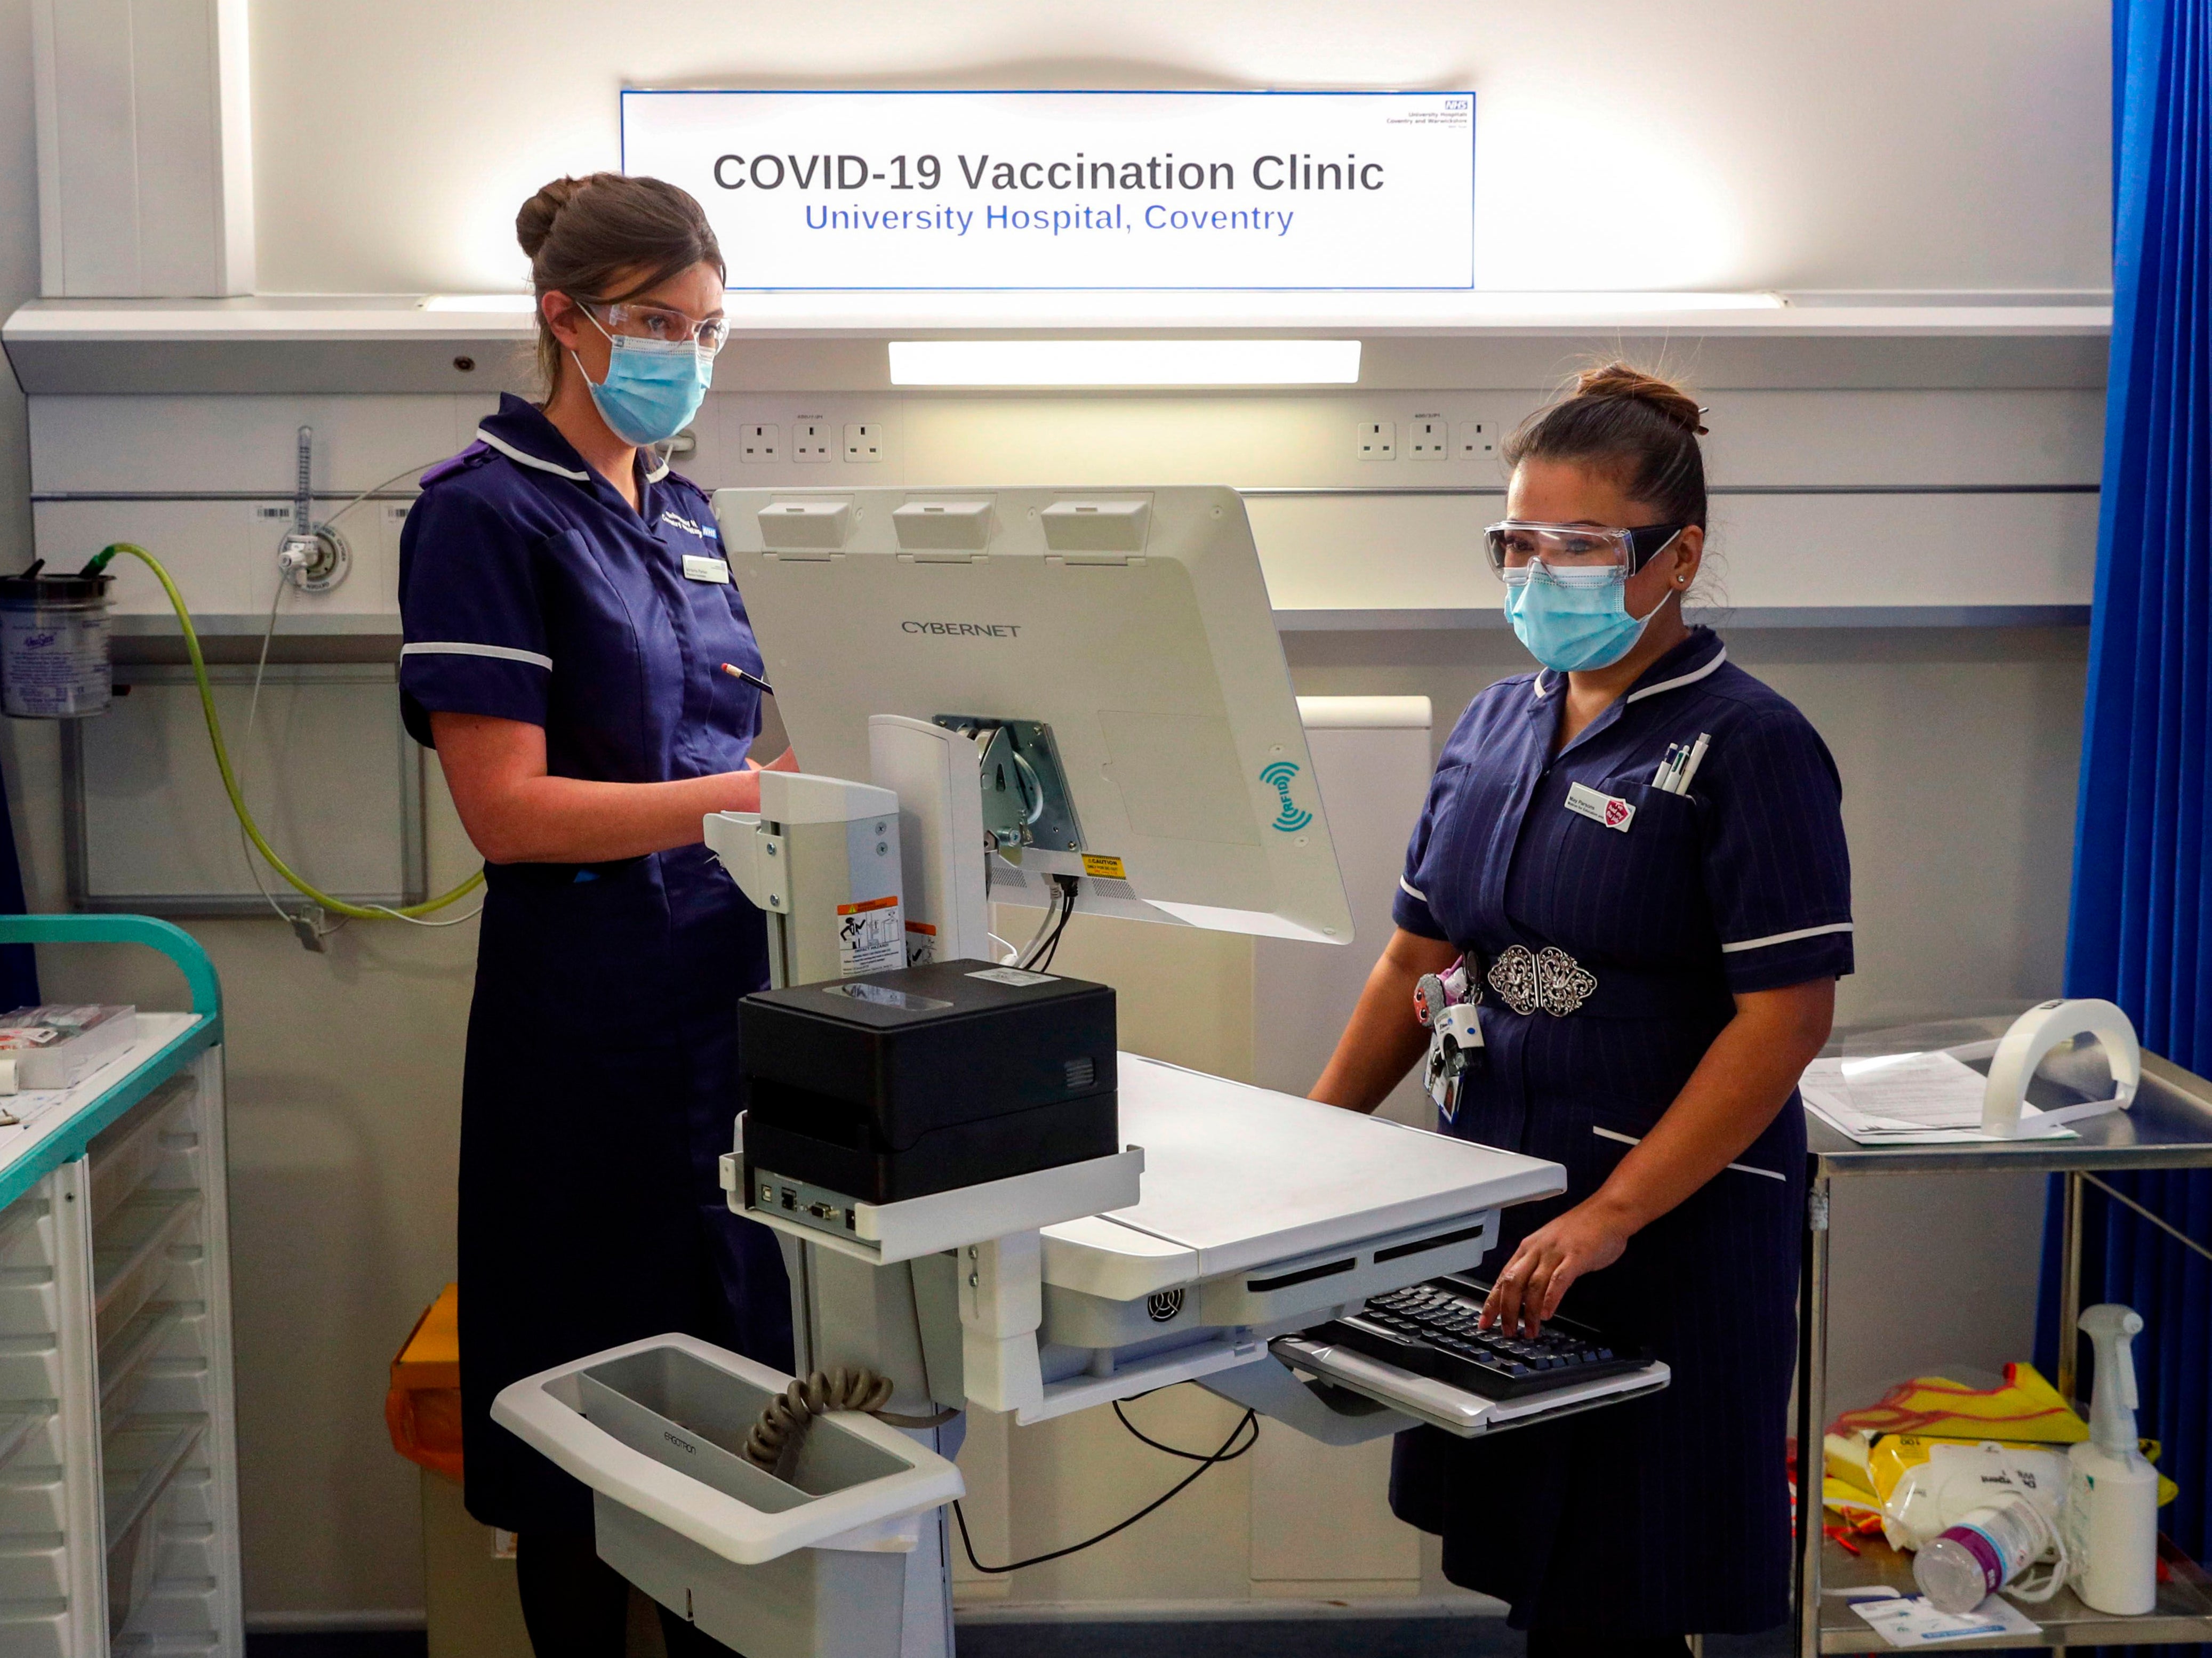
(1445, 1005)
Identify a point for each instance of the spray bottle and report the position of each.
(2112, 1490)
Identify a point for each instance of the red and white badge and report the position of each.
(1609, 810)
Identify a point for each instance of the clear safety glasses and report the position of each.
(658, 322)
(1573, 554)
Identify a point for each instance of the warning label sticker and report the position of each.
(920, 943)
(1099, 867)
(871, 937)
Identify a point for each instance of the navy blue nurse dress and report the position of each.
(1611, 944)
(601, 1075)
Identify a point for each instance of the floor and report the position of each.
(1305, 1637)
(1302, 1637)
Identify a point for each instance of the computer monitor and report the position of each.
(1132, 623)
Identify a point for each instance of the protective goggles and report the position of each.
(1573, 554)
(658, 322)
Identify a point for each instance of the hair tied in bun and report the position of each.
(1641, 429)
(1621, 379)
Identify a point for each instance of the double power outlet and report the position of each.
(1427, 437)
(860, 443)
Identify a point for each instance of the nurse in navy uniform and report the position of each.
(1656, 965)
(567, 610)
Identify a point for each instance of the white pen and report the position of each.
(1690, 766)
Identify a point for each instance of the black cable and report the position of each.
(1067, 888)
(1176, 1450)
(1249, 1419)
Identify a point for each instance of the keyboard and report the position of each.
(1432, 1329)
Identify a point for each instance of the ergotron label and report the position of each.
(697, 567)
(1607, 809)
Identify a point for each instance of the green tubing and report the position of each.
(335, 906)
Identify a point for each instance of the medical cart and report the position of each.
(2169, 1126)
(118, 1489)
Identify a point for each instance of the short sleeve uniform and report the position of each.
(601, 1077)
(1611, 924)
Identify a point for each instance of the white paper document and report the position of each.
(1907, 1099)
(1912, 1622)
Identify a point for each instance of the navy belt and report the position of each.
(1548, 981)
(532, 876)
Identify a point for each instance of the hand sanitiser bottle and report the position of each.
(2112, 1490)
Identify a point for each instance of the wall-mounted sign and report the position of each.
(1062, 190)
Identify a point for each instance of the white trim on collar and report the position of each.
(1689, 679)
(658, 472)
(1537, 684)
(522, 459)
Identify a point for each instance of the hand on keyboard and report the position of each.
(1549, 1260)
(1436, 1329)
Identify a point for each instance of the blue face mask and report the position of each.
(652, 387)
(1575, 626)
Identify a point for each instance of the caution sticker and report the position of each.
(871, 937)
(1104, 869)
(920, 943)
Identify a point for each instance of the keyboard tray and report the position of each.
(1455, 1409)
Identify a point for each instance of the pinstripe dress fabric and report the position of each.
(1668, 1514)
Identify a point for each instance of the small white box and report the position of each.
(56, 1044)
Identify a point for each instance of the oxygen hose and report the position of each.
(335, 906)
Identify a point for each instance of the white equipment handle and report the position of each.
(2034, 1034)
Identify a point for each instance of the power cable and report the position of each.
(1249, 1419)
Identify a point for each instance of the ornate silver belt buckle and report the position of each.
(1547, 981)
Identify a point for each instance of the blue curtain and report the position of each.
(2142, 924)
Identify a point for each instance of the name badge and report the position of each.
(1607, 809)
(697, 567)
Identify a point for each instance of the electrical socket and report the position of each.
(757, 444)
(1474, 440)
(863, 442)
(1428, 438)
(811, 440)
(1379, 440)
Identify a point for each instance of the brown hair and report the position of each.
(1639, 429)
(584, 235)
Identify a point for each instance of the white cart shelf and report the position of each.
(118, 1485)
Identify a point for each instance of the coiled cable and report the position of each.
(784, 1418)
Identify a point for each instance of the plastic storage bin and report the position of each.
(131, 1255)
(810, 1566)
(139, 1458)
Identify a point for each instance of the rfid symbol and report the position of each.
(1292, 816)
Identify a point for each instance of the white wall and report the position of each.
(19, 266)
(1708, 143)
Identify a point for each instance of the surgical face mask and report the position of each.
(1572, 620)
(652, 387)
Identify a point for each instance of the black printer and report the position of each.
(924, 1079)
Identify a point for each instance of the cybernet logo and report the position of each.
(965, 629)
(1292, 816)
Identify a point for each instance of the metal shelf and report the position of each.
(2183, 1615)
